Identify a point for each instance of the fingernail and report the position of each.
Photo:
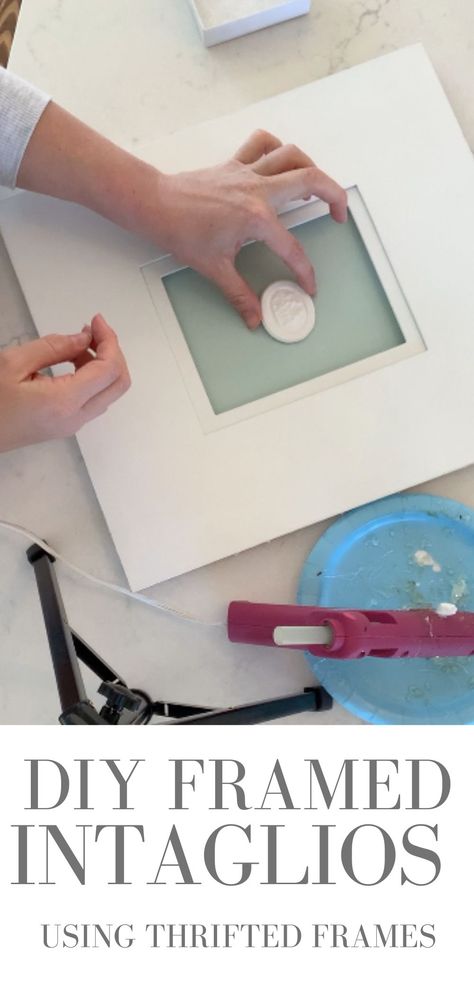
(85, 333)
(252, 321)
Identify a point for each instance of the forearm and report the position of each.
(202, 217)
(67, 159)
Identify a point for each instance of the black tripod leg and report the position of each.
(309, 700)
(69, 681)
(76, 709)
(92, 660)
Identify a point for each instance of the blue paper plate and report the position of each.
(366, 560)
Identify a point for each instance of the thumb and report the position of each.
(51, 349)
(239, 294)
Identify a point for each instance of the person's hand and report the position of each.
(36, 406)
(204, 217)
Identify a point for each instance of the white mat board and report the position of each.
(175, 496)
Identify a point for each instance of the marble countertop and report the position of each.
(135, 79)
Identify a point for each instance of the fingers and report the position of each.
(291, 173)
(307, 182)
(260, 143)
(56, 407)
(106, 369)
(282, 160)
(98, 405)
(88, 354)
(31, 357)
(101, 378)
(285, 245)
(238, 293)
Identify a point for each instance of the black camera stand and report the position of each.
(67, 649)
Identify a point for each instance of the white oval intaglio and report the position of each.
(288, 313)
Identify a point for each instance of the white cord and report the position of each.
(103, 583)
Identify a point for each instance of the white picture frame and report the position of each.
(177, 494)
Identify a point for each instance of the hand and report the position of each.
(204, 217)
(35, 407)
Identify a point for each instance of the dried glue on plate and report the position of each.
(446, 609)
(288, 313)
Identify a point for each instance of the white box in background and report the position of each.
(222, 20)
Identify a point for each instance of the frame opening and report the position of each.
(362, 319)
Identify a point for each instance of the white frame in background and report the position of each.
(177, 495)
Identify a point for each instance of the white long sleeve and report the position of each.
(21, 106)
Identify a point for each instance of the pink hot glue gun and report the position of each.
(343, 633)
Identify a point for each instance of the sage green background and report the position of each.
(354, 319)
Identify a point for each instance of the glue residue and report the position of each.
(424, 559)
(445, 609)
(459, 589)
